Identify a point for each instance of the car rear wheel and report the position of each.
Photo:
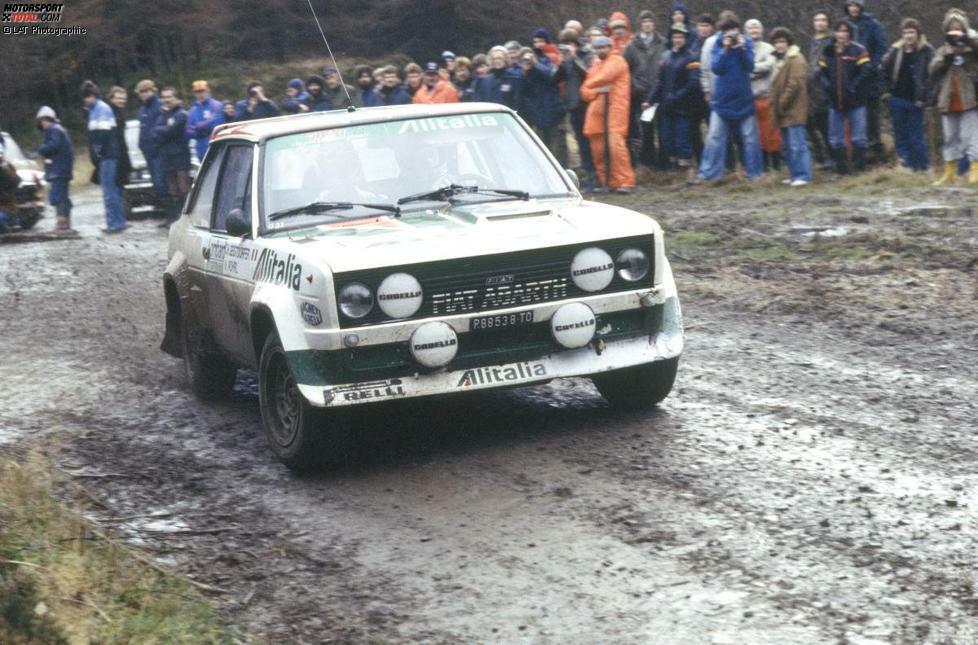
(209, 374)
(28, 217)
(640, 387)
(301, 436)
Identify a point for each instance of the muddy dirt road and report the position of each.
(813, 478)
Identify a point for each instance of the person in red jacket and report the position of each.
(434, 89)
(608, 90)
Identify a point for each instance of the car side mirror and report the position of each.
(574, 178)
(236, 224)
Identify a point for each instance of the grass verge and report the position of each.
(62, 581)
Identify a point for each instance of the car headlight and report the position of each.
(592, 269)
(356, 300)
(399, 295)
(633, 265)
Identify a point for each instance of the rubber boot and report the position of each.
(950, 172)
(859, 159)
(841, 161)
(63, 217)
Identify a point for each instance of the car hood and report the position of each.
(463, 231)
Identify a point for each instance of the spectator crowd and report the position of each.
(704, 96)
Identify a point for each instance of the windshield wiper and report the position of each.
(447, 193)
(313, 208)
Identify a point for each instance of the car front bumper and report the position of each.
(656, 336)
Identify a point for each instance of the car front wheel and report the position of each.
(639, 387)
(301, 436)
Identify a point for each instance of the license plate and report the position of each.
(501, 321)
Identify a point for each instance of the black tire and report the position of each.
(303, 437)
(28, 217)
(640, 387)
(210, 375)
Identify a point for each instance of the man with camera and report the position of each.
(845, 73)
(256, 105)
(732, 104)
(540, 102)
(953, 72)
(575, 59)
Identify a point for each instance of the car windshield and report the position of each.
(381, 163)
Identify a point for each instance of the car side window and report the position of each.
(235, 185)
(200, 211)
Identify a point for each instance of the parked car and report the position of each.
(30, 192)
(407, 251)
(138, 189)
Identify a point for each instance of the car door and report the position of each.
(230, 259)
(197, 238)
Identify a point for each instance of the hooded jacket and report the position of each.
(845, 76)
(867, 31)
(789, 90)
(614, 112)
(948, 68)
(619, 43)
(540, 102)
(149, 111)
(59, 156)
(732, 94)
(644, 60)
(693, 40)
(893, 63)
(677, 90)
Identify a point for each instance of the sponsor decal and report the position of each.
(498, 297)
(449, 123)
(596, 269)
(573, 325)
(502, 374)
(399, 295)
(577, 325)
(311, 314)
(372, 390)
(592, 269)
(451, 342)
(273, 269)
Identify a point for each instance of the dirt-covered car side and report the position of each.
(393, 253)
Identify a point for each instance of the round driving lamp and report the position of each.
(399, 295)
(356, 300)
(592, 269)
(633, 265)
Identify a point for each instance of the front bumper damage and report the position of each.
(632, 338)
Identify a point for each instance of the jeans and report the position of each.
(908, 133)
(155, 167)
(715, 151)
(674, 138)
(115, 217)
(796, 149)
(857, 127)
(58, 192)
(583, 144)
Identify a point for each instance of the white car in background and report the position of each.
(392, 253)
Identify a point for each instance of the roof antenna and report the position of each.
(351, 107)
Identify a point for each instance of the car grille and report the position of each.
(544, 274)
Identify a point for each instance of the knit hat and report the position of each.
(296, 84)
(329, 71)
(678, 28)
(46, 113)
(540, 32)
(600, 41)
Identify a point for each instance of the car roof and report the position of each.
(261, 129)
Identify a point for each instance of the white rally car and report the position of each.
(390, 253)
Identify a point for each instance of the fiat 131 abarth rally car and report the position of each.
(400, 252)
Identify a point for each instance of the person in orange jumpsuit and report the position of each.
(607, 90)
(435, 89)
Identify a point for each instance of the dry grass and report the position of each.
(61, 581)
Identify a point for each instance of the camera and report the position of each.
(253, 92)
(955, 39)
(527, 58)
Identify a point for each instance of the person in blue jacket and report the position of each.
(845, 74)
(59, 163)
(677, 93)
(732, 104)
(364, 77)
(317, 100)
(503, 83)
(103, 150)
(295, 95)
(391, 91)
(149, 111)
(869, 32)
(205, 114)
(681, 14)
(255, 105)
(170, 134)
(540, 102)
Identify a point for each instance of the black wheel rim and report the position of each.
(284, 401)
